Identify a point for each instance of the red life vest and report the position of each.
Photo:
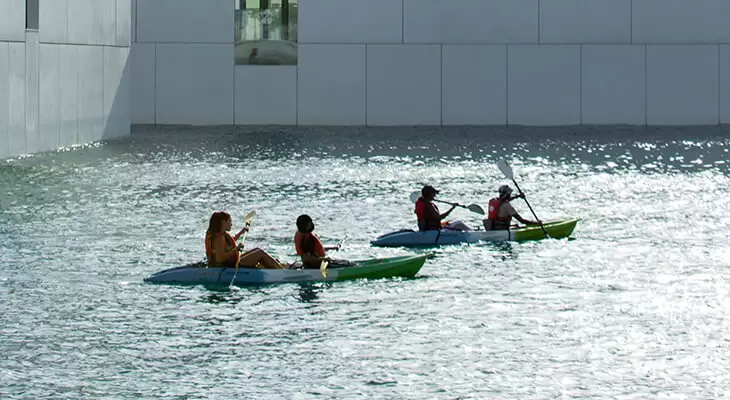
(211, 254)
(308, 243)
(493, 213)
(420, 211)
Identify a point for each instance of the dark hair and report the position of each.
(303, 222)
(216, 221)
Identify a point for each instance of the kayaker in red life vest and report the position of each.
(501, 211)
(221, 248)
(427, 212)
(308, 245)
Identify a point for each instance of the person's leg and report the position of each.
(458, 226)
(255, 256)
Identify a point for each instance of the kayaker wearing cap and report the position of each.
(308, 245)
(221, 248)
(427, 212)
(501, 211)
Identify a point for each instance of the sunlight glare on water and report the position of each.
(633, 306)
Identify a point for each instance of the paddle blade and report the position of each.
(476, 208)
(249, 217)
(506, 169)
(323, 268)
(415, 195)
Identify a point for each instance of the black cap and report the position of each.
(428, 189)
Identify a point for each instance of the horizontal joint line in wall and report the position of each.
(153, 42)
(85, 44)
(511, 43)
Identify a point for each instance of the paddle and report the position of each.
(471, 207)
(246, 223)
(507, 171)
(323, 265)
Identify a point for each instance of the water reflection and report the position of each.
(642, 275)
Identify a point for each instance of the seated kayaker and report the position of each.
(427, 212)
(222, 251)
(501, 211)
(308, 245)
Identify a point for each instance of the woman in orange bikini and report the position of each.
(222, 250)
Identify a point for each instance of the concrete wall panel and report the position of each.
(470, 21)
(4, 100)
(32, 89)
(91, 92)
(404, 85)
(53, 21)
(266, 95)
(585, 21)
(176, 21)
(332, 84)
(350, 21)
(543, 84)
(69, 110)
(614, 84)
(16, 98)
(123, 23)
(50, 96)
(682, 85)
(12, 20)
(194, 84)
(92, 22)
(134, 20)
(474, 86)
(681, 21)
(115, 92)
(142, 73)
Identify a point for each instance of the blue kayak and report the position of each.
(402, 266)
(410, 238)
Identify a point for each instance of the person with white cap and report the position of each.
(500, 213)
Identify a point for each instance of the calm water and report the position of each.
(634, 306)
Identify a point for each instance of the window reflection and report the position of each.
(266, 32)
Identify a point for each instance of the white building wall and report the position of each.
(435, 62)
(66, 83)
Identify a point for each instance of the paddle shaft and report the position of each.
(450, 203)
(325, 263)
(530, 207)
(243, 240)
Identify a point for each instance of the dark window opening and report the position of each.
(31, 14)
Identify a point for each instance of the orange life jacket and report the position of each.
(308, 243)
(230, 241)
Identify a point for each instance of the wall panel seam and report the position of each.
(154, 85)
(441, 76)
(366, 85)
(403, 21)
(58, 92)
(506, 77)
(296, 92)
(646, 85)
(539, 22)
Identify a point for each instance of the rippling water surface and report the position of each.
(635, 305)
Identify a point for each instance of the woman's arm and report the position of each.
(241, 232)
